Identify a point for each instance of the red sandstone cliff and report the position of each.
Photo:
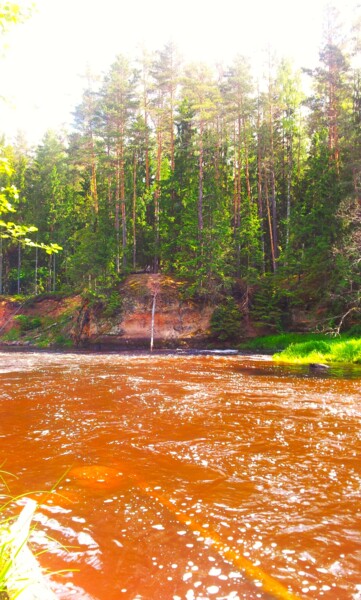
(86, 323)
(176, 321)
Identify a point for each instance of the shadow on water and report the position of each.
(268, 367)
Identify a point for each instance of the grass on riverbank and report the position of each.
(301, 348)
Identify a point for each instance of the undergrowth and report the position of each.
(338, 350)
(276, 343)
(305, 348)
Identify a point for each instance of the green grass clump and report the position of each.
(305, 348)
(276, 343)
(347, 351)
(338, 350)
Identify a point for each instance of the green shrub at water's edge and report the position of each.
(305, 348)
(347, 351)
(276, 343)
(335, 350)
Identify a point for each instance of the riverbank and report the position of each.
(122, 321)
(298, 348)
(146, 306)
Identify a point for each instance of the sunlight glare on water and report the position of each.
(157, 457)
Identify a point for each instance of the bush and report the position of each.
(307, 348)
(113, 305)
(347, 351)
(278, 342)
(11, 336)
(28, 323)
(63, 340)
(354, 331)
(343, 350)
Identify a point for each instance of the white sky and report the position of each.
(41, 73)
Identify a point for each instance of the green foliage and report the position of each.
(226, 322)
(308, 348)
(63, 341)
(12, 335)
(276, 343)
(93, 298)
(113, 304)
(269, 304)
(108, 302)
(174, 168)
(336, 350)
(354, 331)
(8, 195)
(347, 351)
(28, 323)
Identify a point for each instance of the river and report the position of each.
(176, 475)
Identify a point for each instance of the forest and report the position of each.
(247, 188)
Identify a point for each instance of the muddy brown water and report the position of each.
(144, 449)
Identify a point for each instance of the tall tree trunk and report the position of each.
(157, 194)
(237, 197)
(246, 160)
(270, 224)
(289, 187)
(134, 215)
(94, 189)
(123, 207)
(274, 241)
(200, 190)
(1, 265)
(54, 272)
(36, 269)
(259, 187)
(117, 216)
(19, 268)
(50, 273)
(146, 132)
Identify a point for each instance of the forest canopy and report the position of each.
(225, 181)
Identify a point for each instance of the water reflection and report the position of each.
(260, 456)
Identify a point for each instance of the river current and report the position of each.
(186, 477)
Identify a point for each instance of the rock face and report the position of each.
(177, 322)
(94, 324)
